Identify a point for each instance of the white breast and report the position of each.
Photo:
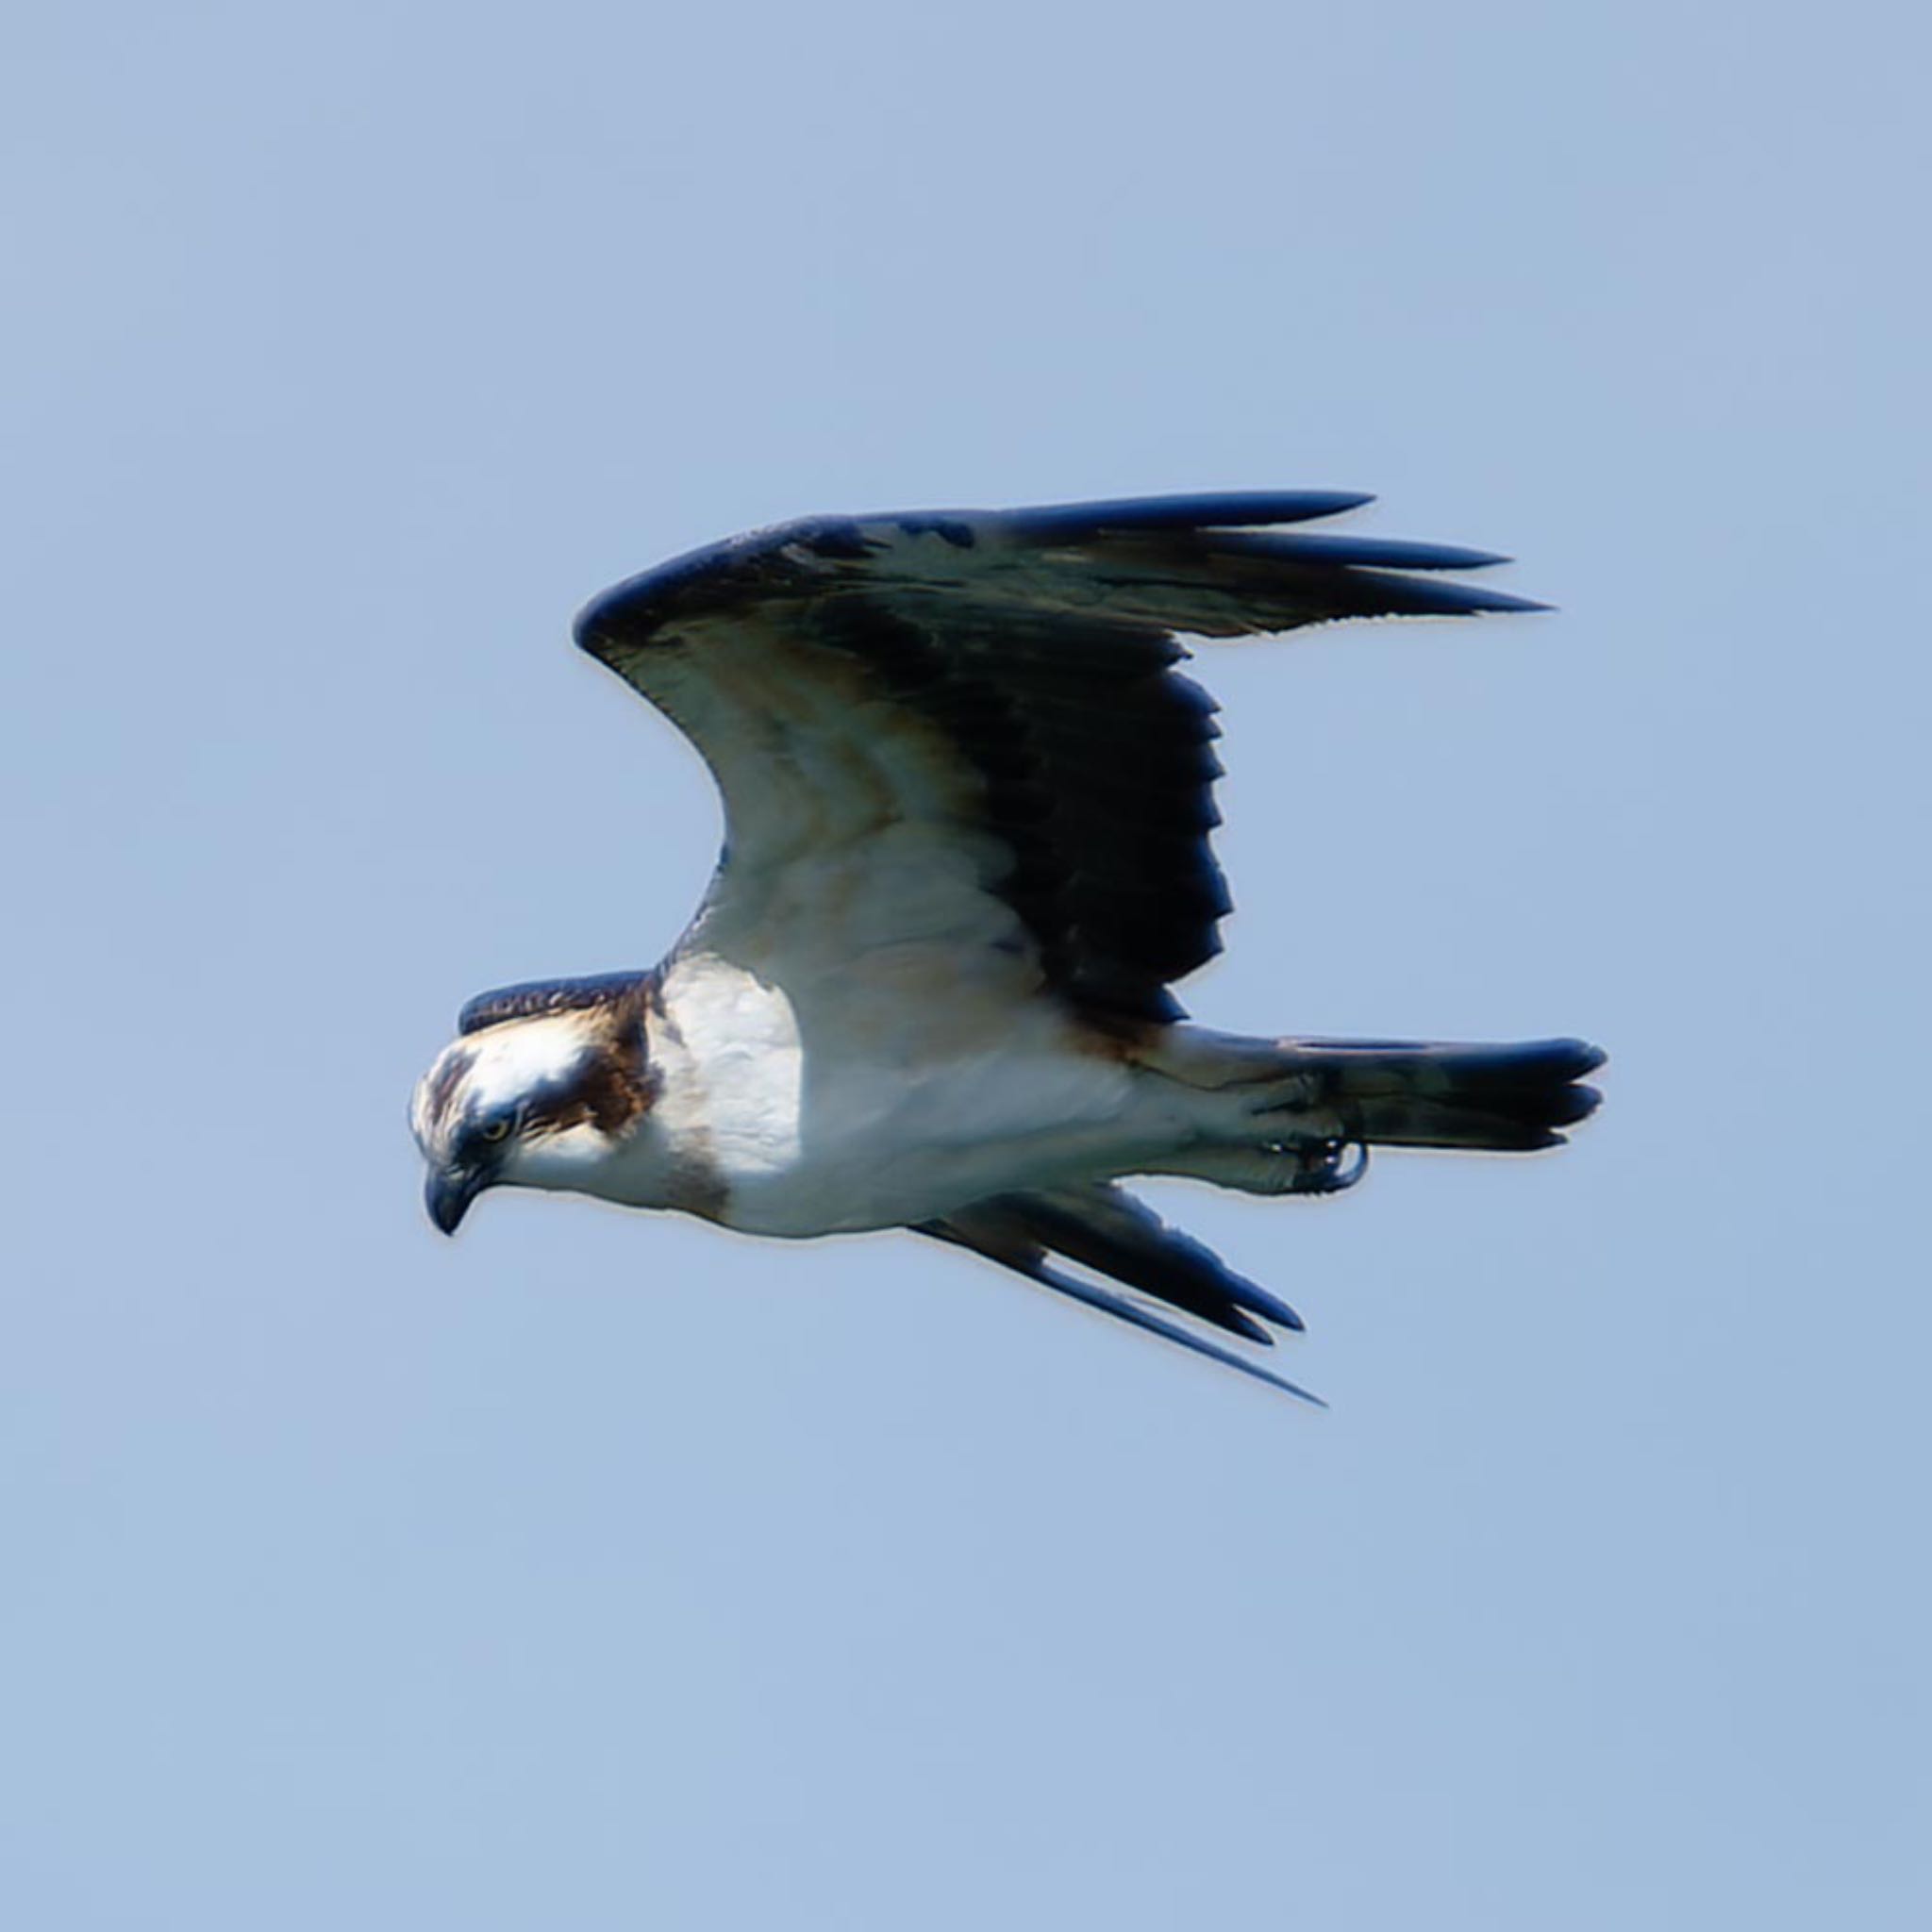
(912, 1081)
(732, 1064)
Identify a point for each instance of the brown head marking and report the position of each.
(614, 1084)
(443, 1083)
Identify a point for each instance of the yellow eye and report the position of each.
(494, 1130)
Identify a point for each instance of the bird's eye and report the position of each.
(494, 1130)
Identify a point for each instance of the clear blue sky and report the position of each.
(602, 1571)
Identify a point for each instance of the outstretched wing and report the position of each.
(967, 725)
(1103, 1229)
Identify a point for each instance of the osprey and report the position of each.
(968, 799)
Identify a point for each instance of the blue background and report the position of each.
(604, 1571)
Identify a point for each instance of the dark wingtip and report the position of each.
(1221, 509)
(1417, 598)
(1120, 1306)
(1370, 553)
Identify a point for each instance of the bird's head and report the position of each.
(537, 1099)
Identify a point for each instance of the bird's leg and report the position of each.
(1323, 1167)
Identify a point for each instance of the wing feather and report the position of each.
(1003, 684)
(1105, 1229)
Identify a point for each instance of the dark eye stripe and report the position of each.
(607, 1092)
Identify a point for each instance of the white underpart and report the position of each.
(894, 1092)
(573, 1159)
(732, 1064)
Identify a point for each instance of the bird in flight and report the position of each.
(968, 799)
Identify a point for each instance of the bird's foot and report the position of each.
(1324, 1167)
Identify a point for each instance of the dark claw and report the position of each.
(1319, 1169)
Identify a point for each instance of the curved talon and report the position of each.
(1319, 1170)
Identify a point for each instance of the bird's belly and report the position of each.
(879, 1146)
(894, 1092)
(898, 1186)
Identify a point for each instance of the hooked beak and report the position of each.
(447, 1195)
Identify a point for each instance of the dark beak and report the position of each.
(447, 1195)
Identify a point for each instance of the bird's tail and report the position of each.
(1493, 1099)
(1279, 1115)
